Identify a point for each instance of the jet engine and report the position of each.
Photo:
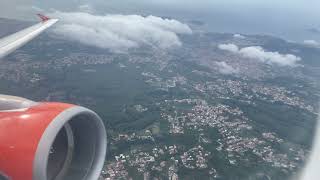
(49, 141)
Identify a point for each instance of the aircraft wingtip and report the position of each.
(43, 17)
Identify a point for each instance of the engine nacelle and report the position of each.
(49, 141)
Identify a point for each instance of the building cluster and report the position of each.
(115, 170)
(249, 92)
(84, 59)
(164, 83)
(140, 108)
(235, 140)
(196, 157)
(280, 94)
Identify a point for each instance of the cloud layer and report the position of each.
(312, 43)
(258, 53)
(225, 68)
(239, 36)
(229, 47)
(120, 32)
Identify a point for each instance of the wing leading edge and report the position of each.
(14, 41)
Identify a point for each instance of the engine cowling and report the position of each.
(50, 141)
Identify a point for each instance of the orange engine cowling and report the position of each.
(49, 141)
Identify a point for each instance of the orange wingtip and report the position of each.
(43, 17)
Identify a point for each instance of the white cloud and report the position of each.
(239, 36)
(312, 43)
(225, 68)
(229, 47)
(257, 52)
(120, 32)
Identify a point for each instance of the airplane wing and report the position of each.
(12, 42)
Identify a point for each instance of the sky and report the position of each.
(294, 20)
